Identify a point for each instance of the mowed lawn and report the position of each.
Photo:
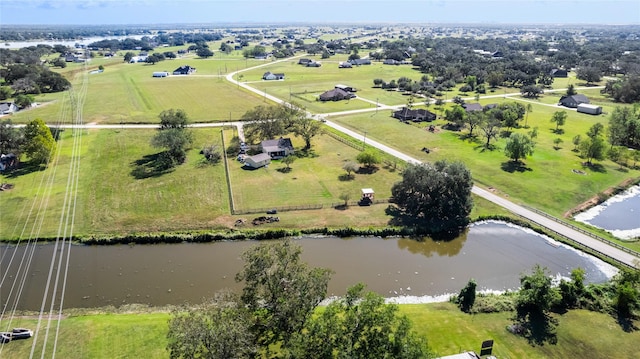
(314, 180)
(127, 93)
(581, 334)
(116, 194)
(304, 84)
(547, 180)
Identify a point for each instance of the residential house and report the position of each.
(417, 115)
(573, 101)
(390, 62)
(160, 74)
(336, 95)
(7, 108)
(304, 61)
(470, 107)
(271, 76)
(497, 54)
(314, 64)
(345, 65)
(278, 148)
(257, 161)
(184, 70)
(558, 73)
(345, 88)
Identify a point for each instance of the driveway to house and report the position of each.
(627, 257)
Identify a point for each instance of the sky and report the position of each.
(105, 12)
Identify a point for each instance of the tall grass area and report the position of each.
(581, 334)
(115, 193)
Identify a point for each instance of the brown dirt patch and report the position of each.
(599, 198)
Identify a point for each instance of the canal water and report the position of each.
(495, 254)
(619, 215)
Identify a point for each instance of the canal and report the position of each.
(495, 254)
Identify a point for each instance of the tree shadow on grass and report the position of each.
(367, 170)
(284, 169)
(626, 323)
(346, 177)
(484, 147)
(152, 166)
(511, 167)
(595, 167)
(537, 331)
(24, 168)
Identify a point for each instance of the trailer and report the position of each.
(589, 109)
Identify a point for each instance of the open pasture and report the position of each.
(120, 191)
(548, 171)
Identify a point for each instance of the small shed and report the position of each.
(590, 109)
(257, 161)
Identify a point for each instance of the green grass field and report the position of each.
(581, 334)
(118, 192)
(127, 93)
(317, 179)
(548, 170)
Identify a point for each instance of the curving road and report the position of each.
(626, 257)
(603, 247)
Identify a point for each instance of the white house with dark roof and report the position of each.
(271, 76)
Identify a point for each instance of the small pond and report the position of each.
(619, 215)
(495, 254)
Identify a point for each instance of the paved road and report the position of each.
(602, 247)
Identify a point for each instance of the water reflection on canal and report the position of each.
(495, 254)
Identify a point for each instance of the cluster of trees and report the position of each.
(35, 140)
(32, 79)
(274, 316)
(538, 298)
(435, 197)
(173, 136)
(489, 121)
(625, 90)
(66, 32)
(254, 51)
(273, 121)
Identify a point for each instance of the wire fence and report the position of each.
(355, 144)
(273, 210)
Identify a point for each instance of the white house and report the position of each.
(257, 161)
(160, 74)
(271, 76)
(7, 108)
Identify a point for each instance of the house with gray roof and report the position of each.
(573, 101)
(277, 148)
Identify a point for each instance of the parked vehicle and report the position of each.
(5, 337)
(22, 333)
